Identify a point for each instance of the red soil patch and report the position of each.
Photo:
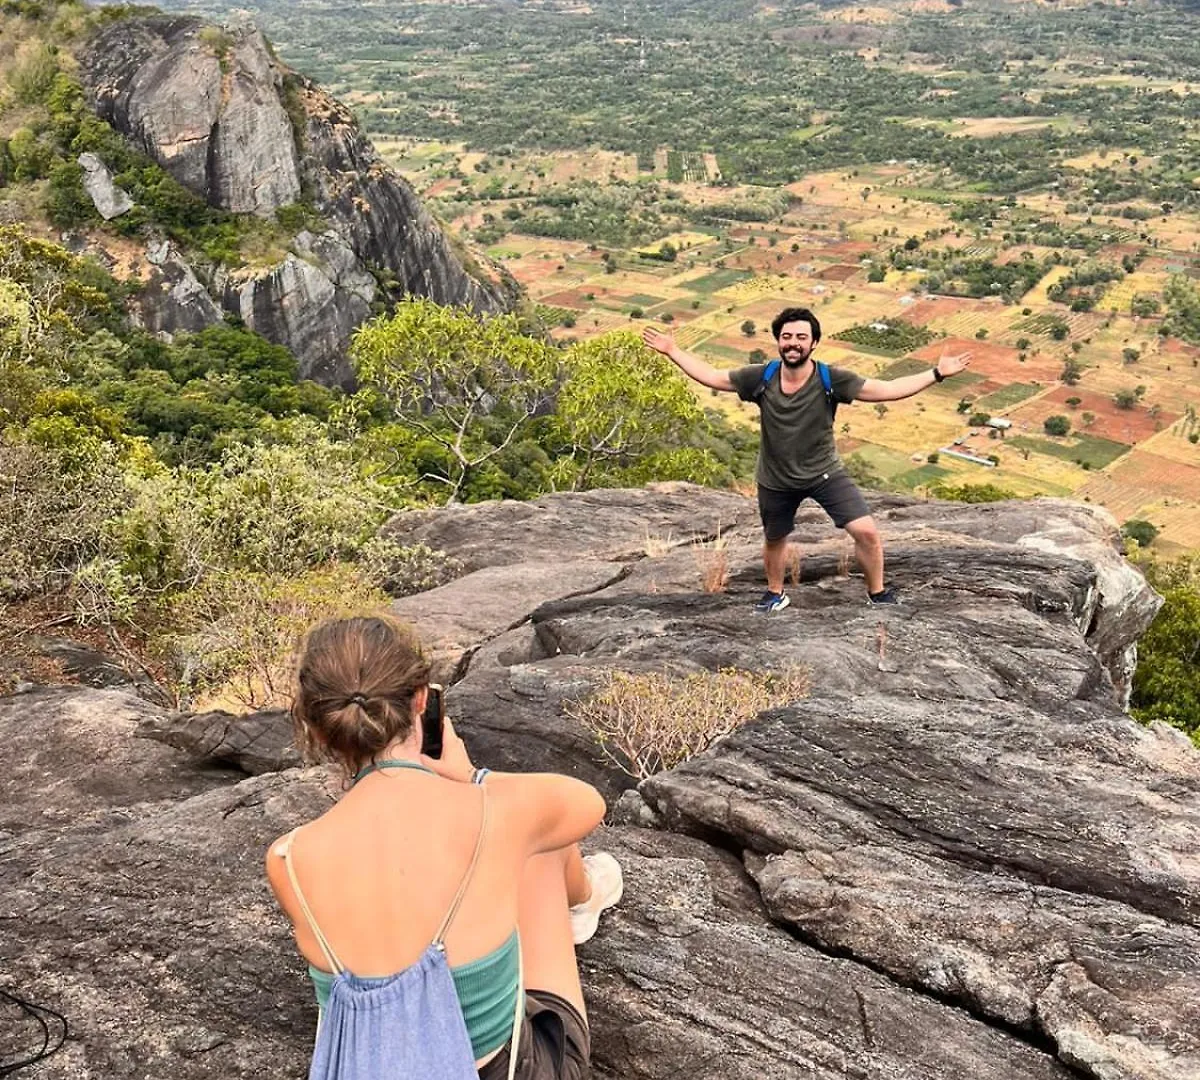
(935, 307)
(528, 271)
(1180, 348)
(838, 272)
(761, 258)
(1159, 474)
(849, 249)
(572, 298)
(1127, 426)
(998, 363)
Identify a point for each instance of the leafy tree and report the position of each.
(748, 328)
(1142, 531)
(1057, 425)
(618, 402)
(1074, 402)
(978, 419)
(1125, 399)
(1072, 371)
(1131, 355)
(448, 376)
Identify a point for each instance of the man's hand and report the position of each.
(658, 341)
(948, 365)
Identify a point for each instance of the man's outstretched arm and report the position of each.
(907, 385)
(690, 365)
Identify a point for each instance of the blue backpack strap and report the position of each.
(827, 383)
(767, 375)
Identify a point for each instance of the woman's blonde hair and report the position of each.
(357, 681)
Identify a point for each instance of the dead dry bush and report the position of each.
(649, 722)
(239, 631)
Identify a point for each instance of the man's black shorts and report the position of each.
(837, 494)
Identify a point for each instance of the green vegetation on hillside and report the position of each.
(45, 125)
(1166, 685)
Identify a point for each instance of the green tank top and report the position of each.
(487, 987)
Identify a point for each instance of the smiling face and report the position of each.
(795, 343)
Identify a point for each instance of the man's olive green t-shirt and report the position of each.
(796, 448)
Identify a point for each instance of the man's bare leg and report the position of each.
(775, 562)
(868, 547)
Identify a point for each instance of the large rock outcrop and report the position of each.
(956, 857)
(236, 127)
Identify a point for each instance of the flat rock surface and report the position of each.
(955, 858)
(613, 525)
(456, 618)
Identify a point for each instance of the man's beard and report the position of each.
(795, 358)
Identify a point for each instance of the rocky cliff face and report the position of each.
(234, 126)
(957, 857)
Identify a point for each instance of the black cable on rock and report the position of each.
(38, 1013)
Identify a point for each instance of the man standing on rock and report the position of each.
(797, 459)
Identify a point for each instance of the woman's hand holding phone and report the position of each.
(454, 764)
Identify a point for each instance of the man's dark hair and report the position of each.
(796, 314)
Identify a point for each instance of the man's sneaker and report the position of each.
(884, 596)
(772, 601)
(604, 873)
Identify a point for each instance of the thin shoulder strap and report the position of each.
(284, 849)
(462, 888)
(515, 1044)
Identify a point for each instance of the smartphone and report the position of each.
(433, 721)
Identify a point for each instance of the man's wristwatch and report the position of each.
(937, 375)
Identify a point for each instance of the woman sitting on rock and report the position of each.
(433, 892)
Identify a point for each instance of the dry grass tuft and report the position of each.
(657, 546)
(795, 562)
(712, 559)
(844, 556)
(649, 722)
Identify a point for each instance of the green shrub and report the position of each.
(971, 493)
(1166, 685)
(403, 569)
(32, 72)
(1139, 530)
